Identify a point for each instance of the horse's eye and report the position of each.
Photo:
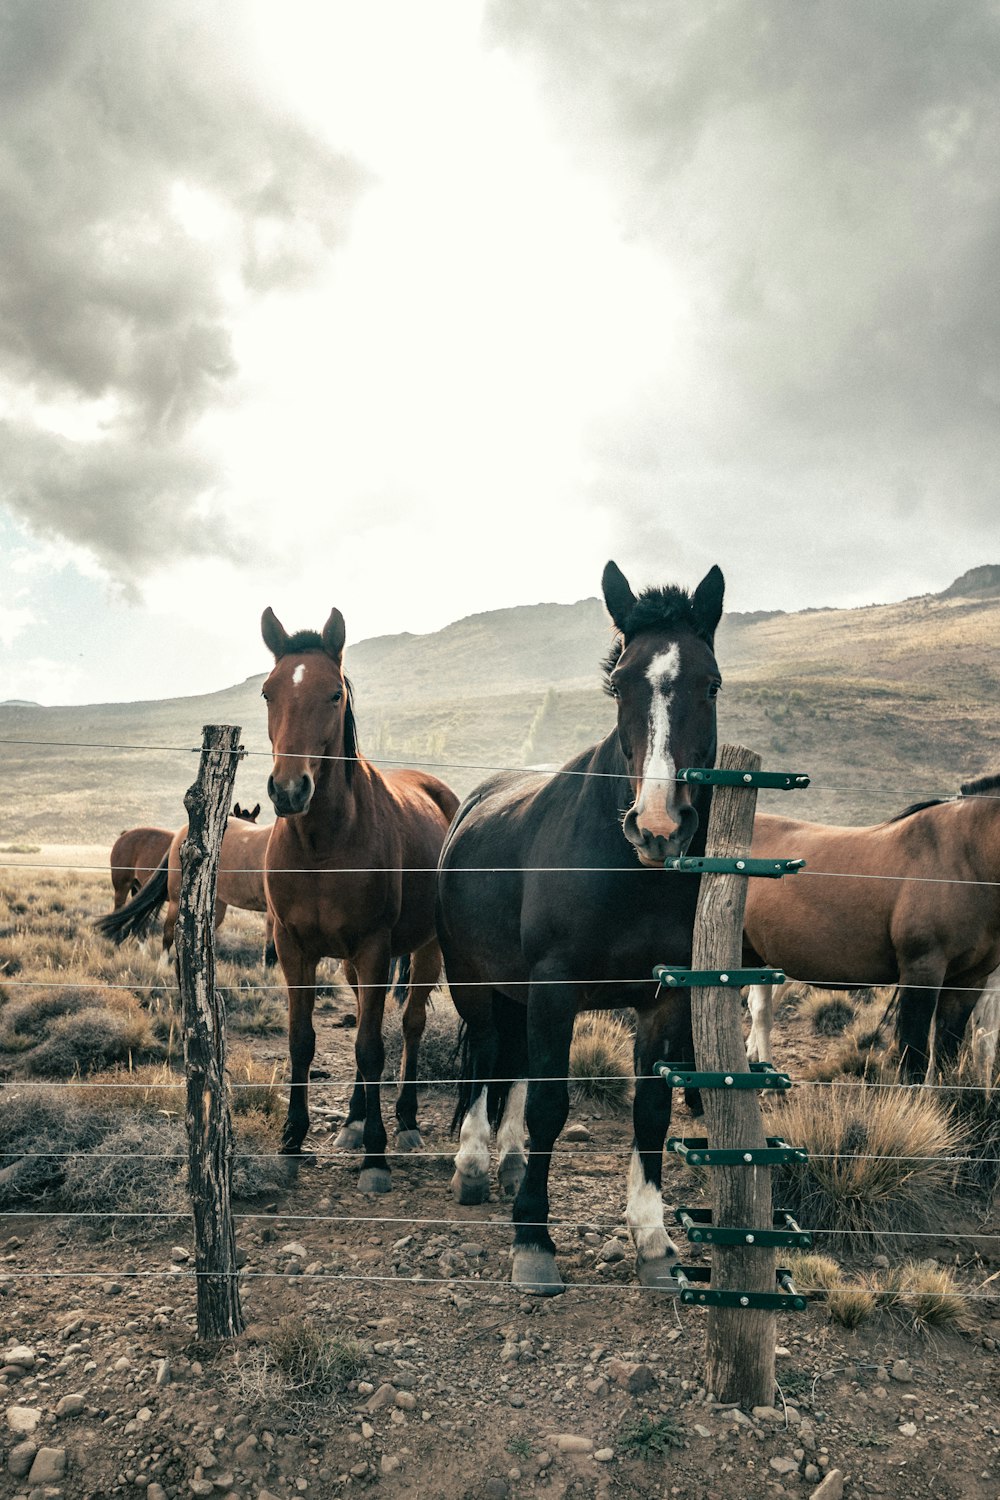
(264, 695)
(714, 689)
(336, 697)
(614, 690)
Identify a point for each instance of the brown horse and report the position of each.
(914, 901)
(350, 874)
(240, 883)
(135, 854)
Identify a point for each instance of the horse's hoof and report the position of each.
(409, 1140)
(534, 1270)
(374, 1180)
(350, 1136)
(658, 1273)
(291, 1147)
(510, 1175)
(471, 1189)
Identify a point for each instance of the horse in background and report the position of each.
(135, 854)
(914, 901)
(552, 899)
(240, 883)
(350, 873)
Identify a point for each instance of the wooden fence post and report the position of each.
(740, 1362)
(209, 1128)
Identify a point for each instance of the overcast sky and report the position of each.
(425, 307)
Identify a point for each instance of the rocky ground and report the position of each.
(464, 1388)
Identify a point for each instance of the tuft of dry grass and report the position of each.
(880, 1160)
(922, 1295)
(975, 1107)
(813, 1272)
(297, 1370)
(828, 1012)
(600, 1060)
(851, 1304)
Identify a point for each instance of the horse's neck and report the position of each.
(342, 805)
(981, 827)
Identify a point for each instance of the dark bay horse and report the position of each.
(240, 883)
(350, 871)
(552, 899)
(135, 854)
(919, 907)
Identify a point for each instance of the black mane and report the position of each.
(915, 807)
(980, 786)
(654, 609)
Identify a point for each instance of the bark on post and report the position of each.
(740, 1363)
(208, 1124)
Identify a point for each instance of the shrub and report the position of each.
(880, 1160)
(258, 1168)
(976, 1109)
(438, 1059)
(297, 1371)
(93, 1038)
(827, 1012)
(600, 1060)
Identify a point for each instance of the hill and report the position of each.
(881, 705)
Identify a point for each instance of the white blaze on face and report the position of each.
(658, 770)
(298, 674)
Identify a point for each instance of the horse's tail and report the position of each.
(135, 918)
(399, 978)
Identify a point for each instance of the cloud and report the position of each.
(821, 184)
(118, 115)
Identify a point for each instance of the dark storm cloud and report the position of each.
(823, 183)
(106, 105)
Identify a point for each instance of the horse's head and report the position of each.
(663, 676)
(246, 814)
(309, 717)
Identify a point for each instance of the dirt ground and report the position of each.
(465, 1388)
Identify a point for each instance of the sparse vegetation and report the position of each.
(600, 1060)
(879, 1160)
(297, 1370)
(827, 1012)
(651, 1437)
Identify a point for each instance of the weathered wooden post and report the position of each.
(741, 1292)
(740, 1359)
(208, 1124)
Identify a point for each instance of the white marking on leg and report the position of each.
(510, 1136)
(658, 770)
(473, 1159)
(760, 1003)
(985, 1026)
(163, 962)
(644, 1214)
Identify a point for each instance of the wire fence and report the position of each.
(348, 1159)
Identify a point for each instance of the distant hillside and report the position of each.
(881, 705)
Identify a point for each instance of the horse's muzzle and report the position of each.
(290, 799)
(653, 848)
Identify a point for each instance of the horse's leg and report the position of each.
(551, 1012)
(660, 1035)
(760, 1003)
(919, 982)
(351, 1133)
(425, 970)
(954, 1008)
(167, 939)
(372, 965)
(508, 1101)
(270, 952)
(985, 1024)
(299, 970)
(471, 1181)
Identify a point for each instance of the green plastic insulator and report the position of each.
(769, 869)
(696, 1151)
(782, 781)
(695, 1287)
(785, 1232)
(760, 1076)
(674, 978)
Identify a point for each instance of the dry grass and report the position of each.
(296, 1371)
(828, 1012)
(880, 1160)
(976, 1108)
(600, 1060)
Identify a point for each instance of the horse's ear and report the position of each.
(334, 635)
(274, 633)
(707, 601)
(238, 811)
(618, 597)
(253, 816)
